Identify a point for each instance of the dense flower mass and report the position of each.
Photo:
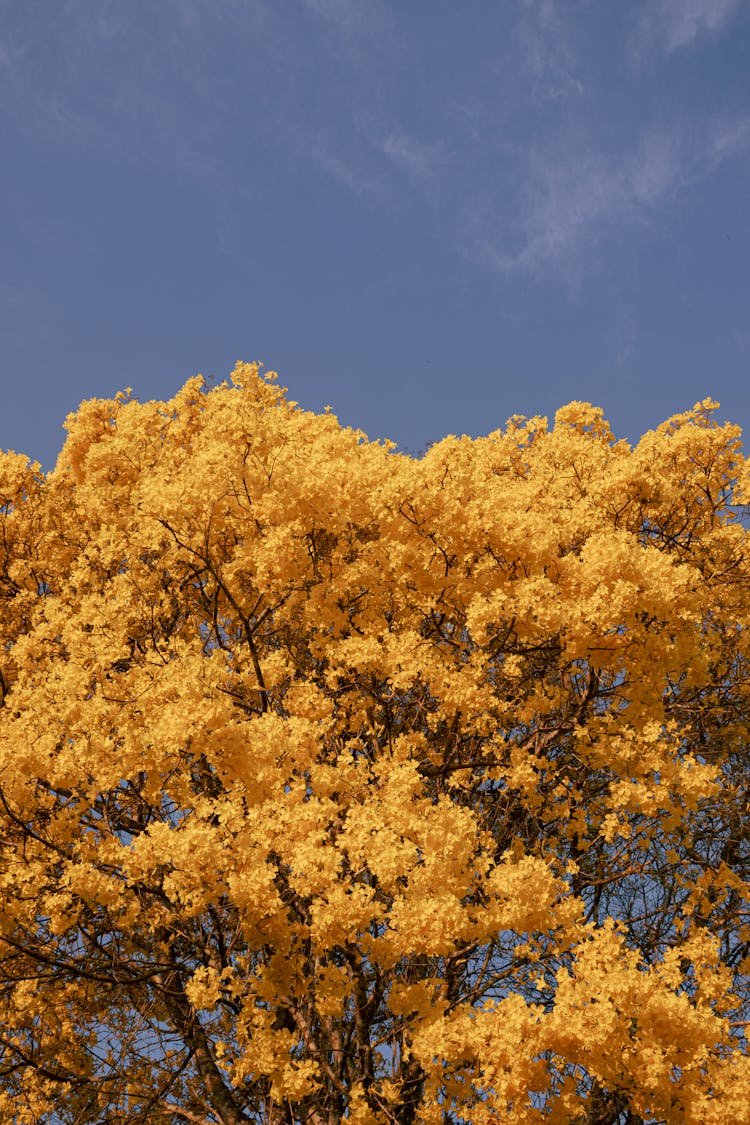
(341, 785)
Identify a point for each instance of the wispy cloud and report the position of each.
(548, 220)
(567, 205)
(545, 34)
(549, 169)
(419, 160)
(727, 139)
(349, 167)
(354, 19)
(674, 25)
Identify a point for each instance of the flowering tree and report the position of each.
(337, 785)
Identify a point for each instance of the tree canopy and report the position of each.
(342, 785)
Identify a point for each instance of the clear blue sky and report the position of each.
(430, 215)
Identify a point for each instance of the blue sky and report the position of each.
(430, 215)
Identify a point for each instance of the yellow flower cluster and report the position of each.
(337, 784)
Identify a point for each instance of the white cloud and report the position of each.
(355, 16)
(545, 35)
(728, 139)
(357, 24)
(335, 87)
(653, 170)
(341, 163)
(566, 205)
(673, 25)
(559, 207)
(138, 92)
(418, 160)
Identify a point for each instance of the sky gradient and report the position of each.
(430, 216)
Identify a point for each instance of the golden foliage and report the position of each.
(341, 785)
